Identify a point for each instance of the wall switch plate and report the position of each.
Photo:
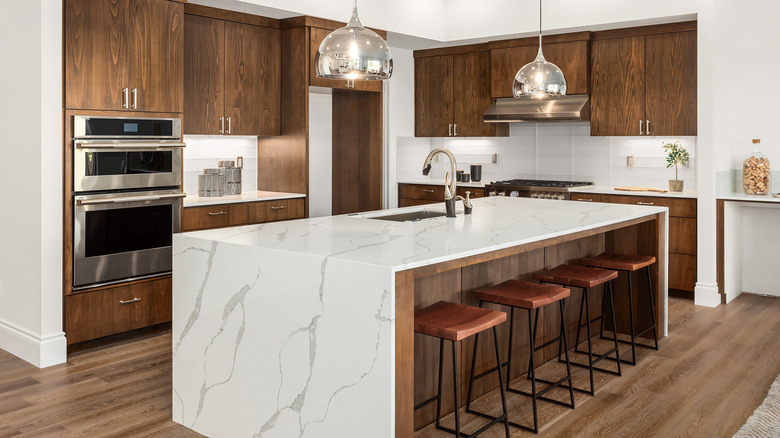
(630, 161)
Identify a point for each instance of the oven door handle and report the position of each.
(129, 199)
(129, 145)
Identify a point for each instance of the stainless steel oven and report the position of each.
(124, 236)
(118, 153)
(127, 175)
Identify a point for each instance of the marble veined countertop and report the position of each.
(248, 196)
(496, 223)
(608, 190)
(741, 196)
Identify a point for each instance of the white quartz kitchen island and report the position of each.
(303, 328)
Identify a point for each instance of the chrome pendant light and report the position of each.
(539, 79)
(354, 53)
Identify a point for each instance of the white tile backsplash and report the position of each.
(206, 150)
(559, 150)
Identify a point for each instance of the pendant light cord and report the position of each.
(540, 23)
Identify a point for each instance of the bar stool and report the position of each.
(586, 278)
(455, 322)
(629, 263)
(529, 296)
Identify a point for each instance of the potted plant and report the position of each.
(675, 155)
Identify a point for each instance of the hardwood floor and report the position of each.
(711, 372)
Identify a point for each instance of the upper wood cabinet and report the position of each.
(124, 55)
(568, 51)
(644, 84)
(451, 93)
(316, 36)
(232, 78)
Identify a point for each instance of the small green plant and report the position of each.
(675, 155)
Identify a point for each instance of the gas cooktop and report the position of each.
(536, 183)
(534, 188)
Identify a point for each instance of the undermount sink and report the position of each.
(412, 216)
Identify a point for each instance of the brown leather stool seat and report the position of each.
(529, 296)
(629, 263)
(585, 277)
(455, 322)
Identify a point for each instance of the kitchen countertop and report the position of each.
(740, 196)
(440, 182)
(609, 190)
(250, 196)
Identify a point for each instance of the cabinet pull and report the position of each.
(229, 125)
(450, 130)
(135, 98)
(456, 130)
(217, 213)
(644, 203)
(640, 128)
(134, 300)
(125, 98)
(281, 207)
(427, 190)
(222, 125)
(585, 199)
(647, 125)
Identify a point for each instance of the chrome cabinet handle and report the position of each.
(450, 130)
(222, 125)
(281, 207)
(456, 130)
(427, 190)
(644, 203)
(125, 98)
(149, 146)
(135, 98)
(647, 125)
(229, 125)
(585, 199)
(217, 213)
(134, 300)
(121, 199)
(640, 128)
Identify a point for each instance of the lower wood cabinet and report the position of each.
(242, 213)
(116, 309)
(682, 232)
(421, 194)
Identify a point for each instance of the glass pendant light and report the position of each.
(539, 79)
(353, 53)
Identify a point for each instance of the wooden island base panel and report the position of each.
(305, 328)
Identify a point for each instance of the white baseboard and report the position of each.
(706, 295)
(41, 351)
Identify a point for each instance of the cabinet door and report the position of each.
(156, 55)
(316, 35)
(617, 101)
(96, 53)
(471, 94)
(670, 76)
(433, 96)
(252, 79)
(204, 75)
(504, 64)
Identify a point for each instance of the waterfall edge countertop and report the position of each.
(193, 200)
(288, 328)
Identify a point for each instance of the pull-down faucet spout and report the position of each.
(449, 179)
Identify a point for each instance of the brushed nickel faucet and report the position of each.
(450, 194)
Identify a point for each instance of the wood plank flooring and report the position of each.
(712, 371)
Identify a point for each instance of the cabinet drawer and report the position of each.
(476, 192)
(682, 271)
(421, 191)
(213, 216)
(682, 235)
(117, 309)
(678, 207)
(271, 211)
(585, 197)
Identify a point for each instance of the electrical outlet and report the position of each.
(630, 161)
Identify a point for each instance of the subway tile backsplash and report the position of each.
(560, 150)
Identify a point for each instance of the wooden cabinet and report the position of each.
(644, 84)
(116, 309)
(451, 93)
(241, 213)
(316, 35)
(568, 51)
(421, 194)
(124, 55)
(682, 233)
(232, 78)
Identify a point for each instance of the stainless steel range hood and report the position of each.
(574, 107)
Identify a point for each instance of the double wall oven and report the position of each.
(127, 200)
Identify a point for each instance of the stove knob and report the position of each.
(533, 195)
(546, 196)
(559, 197)
(514, 194)
(502, 193)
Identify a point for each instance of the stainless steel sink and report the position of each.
(412, 216)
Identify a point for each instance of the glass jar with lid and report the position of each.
(755, 171)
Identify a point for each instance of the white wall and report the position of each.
(31, 171)
(400, 115)
(320, 154)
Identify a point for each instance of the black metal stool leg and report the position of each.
(441, 371)
(532, 372)
(614, 326)
(631, 320)
(531, 363)
(455, 387)
(509, 352)
(566, 353)
(652, 305)
(586, 300)
(500, 381)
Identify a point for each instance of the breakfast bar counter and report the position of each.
(305, 327)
